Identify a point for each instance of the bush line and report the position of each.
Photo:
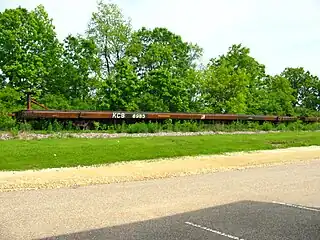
(155, 127)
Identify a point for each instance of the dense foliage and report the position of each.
(113, 67)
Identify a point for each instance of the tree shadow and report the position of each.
(244, 219)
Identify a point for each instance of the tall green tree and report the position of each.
(121, 89)
(238, 59)
(81, 68)
(276, 97)
(165, 66)
(306, 89)
(224, 89)
(161, 49)
(111, 33)
(10, 100)
(162, 91)
(29, 49)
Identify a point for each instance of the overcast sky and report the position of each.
(280, 33)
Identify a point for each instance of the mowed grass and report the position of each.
(52, 153)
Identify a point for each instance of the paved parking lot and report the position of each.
(241, 220)
(224, 205)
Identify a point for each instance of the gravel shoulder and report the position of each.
(151, 169)
(34, 136)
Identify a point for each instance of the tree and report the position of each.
(10, 100)
(29, 49)
(121, 89)
(162, 91)
(160, 48)
(306, 89)
(111, 33)
(238, 58)
(276, 97)
(224, 89)
(81, 68)
(165, 66)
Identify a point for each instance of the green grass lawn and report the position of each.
(50, 153)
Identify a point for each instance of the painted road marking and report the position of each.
(214, 231)
(297, 206)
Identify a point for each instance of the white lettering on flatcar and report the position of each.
(118, 115)
(138, 115)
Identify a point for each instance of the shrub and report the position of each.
(267, 126)
(137, 128)
(96, 125)
(153, 127)
(57, 126)
(50, 128)
(168, 126)
(25, 127)
(6, 122)
(295, 126)
(69, 126)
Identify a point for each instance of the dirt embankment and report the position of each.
(150, 169)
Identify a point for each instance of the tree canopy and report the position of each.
(114, 67)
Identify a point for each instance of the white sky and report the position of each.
(280, 33)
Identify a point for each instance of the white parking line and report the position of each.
(297, 206)
(214, 231)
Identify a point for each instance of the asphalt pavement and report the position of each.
(240, 220)
(279, 202)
